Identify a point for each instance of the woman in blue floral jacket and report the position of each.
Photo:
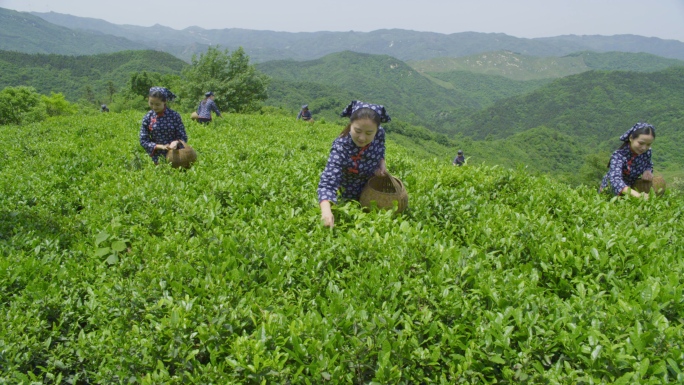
(631, 161)
(357, 154)
(162, 128)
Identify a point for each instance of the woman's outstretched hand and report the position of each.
(326, 214)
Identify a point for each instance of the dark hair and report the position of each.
(361, 113)
(158, 94)
(645, 130)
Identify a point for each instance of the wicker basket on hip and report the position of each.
(183, 157)
(194, 116)
(383, 191)
(658, 185)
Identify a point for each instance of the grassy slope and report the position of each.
(223, 273)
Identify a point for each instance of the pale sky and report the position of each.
(522, 18)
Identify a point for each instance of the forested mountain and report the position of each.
(593, 108)
(402, 44)
(383, 79)
(379, 78)
(23, 32)
(525, 67)
(69, 75)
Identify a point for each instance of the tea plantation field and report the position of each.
(114, 271)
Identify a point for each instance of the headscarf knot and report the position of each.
(356, 105)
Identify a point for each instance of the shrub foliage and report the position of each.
(113, 270)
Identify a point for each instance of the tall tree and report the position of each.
(238, 86)
(141, 82)
(111, 90)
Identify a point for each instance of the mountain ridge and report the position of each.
(23, 32)
(403, 44)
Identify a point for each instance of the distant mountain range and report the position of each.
(524, 67)
(23, 32)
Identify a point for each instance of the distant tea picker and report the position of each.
(357, 154)
(631, 163)
(206, 106)
(305, 114)
(162, 128)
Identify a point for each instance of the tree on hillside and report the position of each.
(20, 105)
(238, 86)
(88, 93)
(111, 90)
(141, 82)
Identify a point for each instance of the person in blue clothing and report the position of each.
(460, 159)
(162, 128)
(357, 154)
(305, 114)
(631, 161)
(205, 107)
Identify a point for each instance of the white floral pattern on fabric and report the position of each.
(161, 129)
(625, 168)
(204, 109)
(339, 172)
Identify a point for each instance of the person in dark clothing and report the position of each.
(162, 128)
(205, 107)
(357, 154)
(305, 114)
(631, 161)
(104, 108)
(460, 159)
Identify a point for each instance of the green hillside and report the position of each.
(525, 67)
(596, 105)
(115, 270)
(23, 32)
(381, 79)
(70, 74)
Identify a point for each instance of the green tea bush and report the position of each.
(113, 270)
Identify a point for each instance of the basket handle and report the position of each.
(183, 143)
(396, 185)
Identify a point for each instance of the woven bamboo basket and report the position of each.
(194, 116)
(658, 185)
(183, 157)
(384, 191)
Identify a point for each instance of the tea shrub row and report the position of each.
(113, 270)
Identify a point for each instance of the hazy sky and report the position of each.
(522, 18)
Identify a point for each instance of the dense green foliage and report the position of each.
(520, 67)
(113, 270)
(70, 75)
(596, 106)
(377, 78)
(403, 44)
(237, 85)
(23, 32)
(20, 105)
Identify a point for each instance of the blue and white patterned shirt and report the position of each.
(350, 166)
(204, 109)
(305, 115)
(161, 129)
(625, 168)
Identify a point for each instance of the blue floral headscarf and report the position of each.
(356, 105)
(626, 135)
(168, 95)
